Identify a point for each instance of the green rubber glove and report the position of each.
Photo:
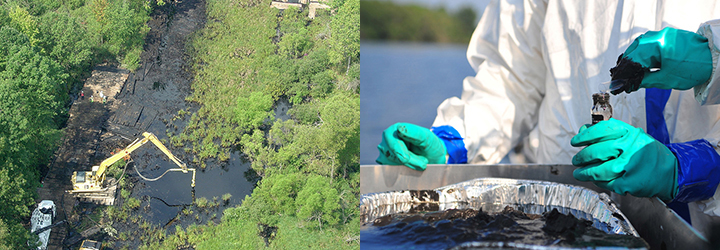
(625, 159)
(683, 59)
(410, 145)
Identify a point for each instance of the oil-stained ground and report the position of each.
(145, 100)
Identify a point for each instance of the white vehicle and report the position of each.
(42, 217)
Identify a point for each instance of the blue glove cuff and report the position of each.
(453, 143)
(698, 170)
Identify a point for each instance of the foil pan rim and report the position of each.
(593, 205)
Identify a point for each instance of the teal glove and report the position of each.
(683, 58)
(410, 145)
(625, 159)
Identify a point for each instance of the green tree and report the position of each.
(4, 17)
(39, 79)
(65, 40)
(319, 201)
(383, 20)
(10, 40)
(14, 235)
(283, 193)
(121, 28)
(125, 30)
(345, 36)
(40, 7)
(341, 115)
(5, 237)
(21, 20)
(294, 45)
(466, 17)
(252, 109)
(45, 45)
(32, 98)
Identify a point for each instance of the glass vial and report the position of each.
(601, 110)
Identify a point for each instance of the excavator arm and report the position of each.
(167, 152)
(89, 182)
(104, 165)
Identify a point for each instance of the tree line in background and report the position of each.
(47, 47)
(385, 20)
(247, 60)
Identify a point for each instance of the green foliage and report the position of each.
(131, 203)
(11, 40)
(326, 149)
(277, 193)
(125, 27)
(306, 113)
(117, 169)
(251, 110)
(384, 20)
(247, 59)
(46, 48)
(131, 61)
(4, 17)
(120, 28)
(65, 40)
(345, 36)
(291, 235)
(39, 7)
(6, 238)
(124, 193)
(318, 201)
(202, 202)
(21, 20)
(226, 197)
(33, 93)
(294, 45)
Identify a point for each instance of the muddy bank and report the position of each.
(79, 148)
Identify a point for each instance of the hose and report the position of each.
(154, 179)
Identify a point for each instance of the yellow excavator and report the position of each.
(94, 181)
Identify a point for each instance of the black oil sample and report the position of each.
(450, 228)
(601, 110)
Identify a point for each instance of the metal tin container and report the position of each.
(493, 194)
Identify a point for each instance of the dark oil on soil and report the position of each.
(157, 91)
(449, 228)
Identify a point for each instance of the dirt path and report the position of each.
(141, 101)
(79, 147)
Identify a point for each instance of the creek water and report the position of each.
(164, 199)
(405, 82)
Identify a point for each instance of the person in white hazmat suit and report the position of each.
(538, 64)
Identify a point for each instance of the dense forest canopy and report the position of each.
(385, 20)
(248, 60)
(46, 48)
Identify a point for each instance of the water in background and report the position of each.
(405, 82)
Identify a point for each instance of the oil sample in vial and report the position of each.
(601, 110)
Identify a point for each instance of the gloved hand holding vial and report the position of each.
(537, 67)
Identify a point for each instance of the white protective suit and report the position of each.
(539, 62)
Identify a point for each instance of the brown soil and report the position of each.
(136, 102)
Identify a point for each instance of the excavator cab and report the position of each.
(91, 245)
(80, 178)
